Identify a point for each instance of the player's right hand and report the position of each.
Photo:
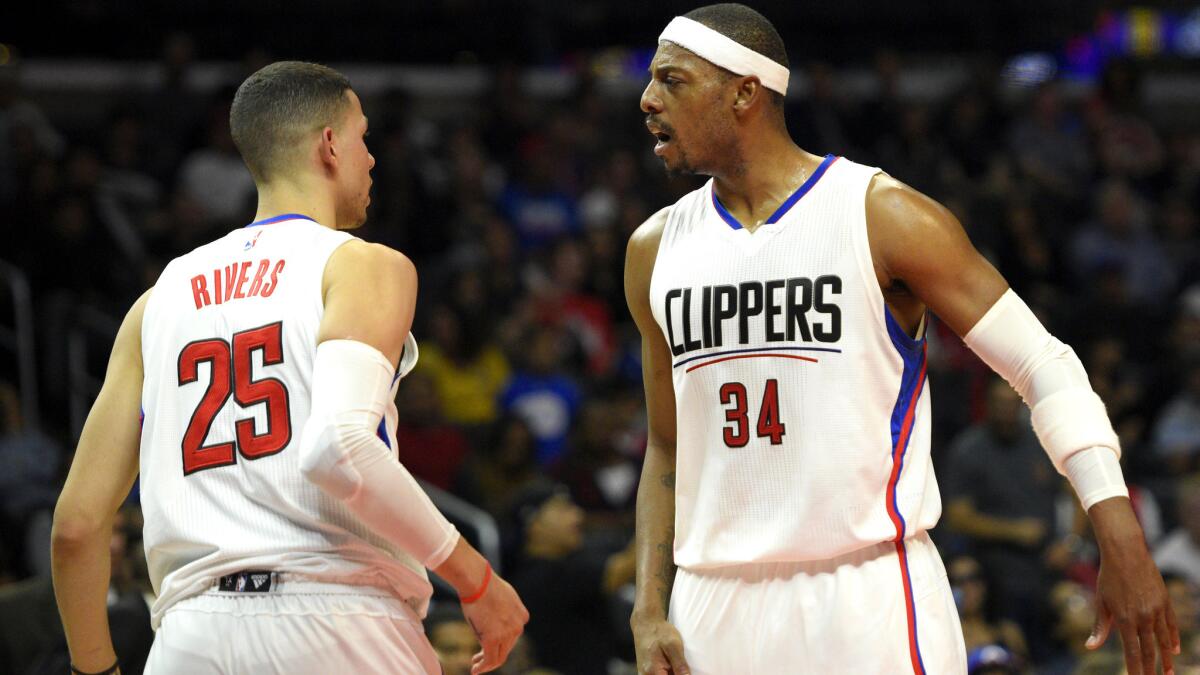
(499, 618)
(659, 648)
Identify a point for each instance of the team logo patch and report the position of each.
(251, 242)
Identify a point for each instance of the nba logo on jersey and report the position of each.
(251, 242)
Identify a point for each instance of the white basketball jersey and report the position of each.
(228, 343)
(802, 406)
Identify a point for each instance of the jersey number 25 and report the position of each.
(230, 367)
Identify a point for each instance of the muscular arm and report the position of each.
(105, 466)
(918, 246)
(655, 536)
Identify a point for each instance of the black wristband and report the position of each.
(107, 671)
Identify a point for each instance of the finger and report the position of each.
(1173, 627)
(1146, 640)
(1133, 649)
(674, 651)
(484, 661)
(1166, 644)
(1101, 628)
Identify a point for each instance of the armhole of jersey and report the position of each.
(862, 251)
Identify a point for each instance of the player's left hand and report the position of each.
(1131, 592)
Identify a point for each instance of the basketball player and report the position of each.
(787, 488)
(282, 534)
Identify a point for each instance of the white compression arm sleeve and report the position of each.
(340, 452)
(1069, 418)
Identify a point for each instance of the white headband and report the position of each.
(721, 51)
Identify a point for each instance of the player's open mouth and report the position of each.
(663, 139)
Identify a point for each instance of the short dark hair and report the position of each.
(277, 105)
(746, 27)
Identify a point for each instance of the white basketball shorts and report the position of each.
(863, 613)
(301, 628)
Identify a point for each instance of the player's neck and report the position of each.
(292, 196)
(768, 170)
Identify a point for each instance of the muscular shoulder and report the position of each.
(358, 261)
(903, 223)
(643, 243)
(639, 264)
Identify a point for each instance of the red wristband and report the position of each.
(474, 597)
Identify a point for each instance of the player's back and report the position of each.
(228, 343)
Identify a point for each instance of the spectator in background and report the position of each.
(992, 660)
(600, 206)
(1179, 551)
(1126, 144)
(26, 134)
(1181, 236)
(602, 480)
(822, 119)
(174, 108)
(1121, 237)
(538, 207)
(455, 643)
(563, 300)
(505, 465)
(975, 610)
(542, 395)
(1177, 431)
(565, 585)
(467, 371)
(1000, 493)
(452, 638)
(426, 445)
(28, 487)
(215, 177)
(1074, 609)
(1050, 147)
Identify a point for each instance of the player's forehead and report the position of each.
(671, 57)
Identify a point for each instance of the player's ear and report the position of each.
(327, 148)
(749, 90)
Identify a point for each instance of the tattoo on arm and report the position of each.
(668, 480)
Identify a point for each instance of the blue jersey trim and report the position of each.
(382, 433)
(912, 352)
(787, 203)
(276, 219)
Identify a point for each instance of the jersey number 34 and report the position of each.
(769, 424)
(230, 366)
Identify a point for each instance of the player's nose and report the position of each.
(651, 103)
(370, 161)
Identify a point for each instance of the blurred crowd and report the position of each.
(527, 400)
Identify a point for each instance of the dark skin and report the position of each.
(713, 123)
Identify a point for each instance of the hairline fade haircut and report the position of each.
(277, 106)
(748, 28)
